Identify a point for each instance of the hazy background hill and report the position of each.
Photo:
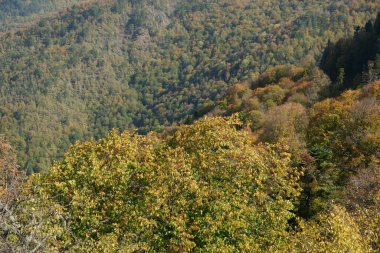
(18, 13)
(147, 64)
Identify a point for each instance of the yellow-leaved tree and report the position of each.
(206, 187)
(334, 231)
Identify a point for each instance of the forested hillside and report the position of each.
(148, 64)
(20, 13)
(256, 148)
(332, 139)
(212, 186)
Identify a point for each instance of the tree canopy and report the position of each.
(147, 64)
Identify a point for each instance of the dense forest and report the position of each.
(148, 64)
(195, 126)
(221, 184)
(19, 13)
(353, 61)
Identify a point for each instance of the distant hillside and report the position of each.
(16, 13)
(148, 64)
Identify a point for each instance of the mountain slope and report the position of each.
(284, 162)
(16, 13)
(211, 185)
(148, 64)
